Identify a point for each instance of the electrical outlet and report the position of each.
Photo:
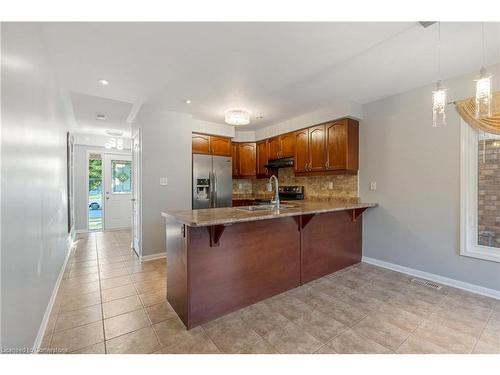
(240, 185)
(163, 181)
(330, 185)
(373, 186)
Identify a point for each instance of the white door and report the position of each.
(118, 191)
(136, 200)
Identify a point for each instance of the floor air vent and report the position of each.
(428, 284)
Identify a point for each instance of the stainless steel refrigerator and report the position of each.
(212, 181)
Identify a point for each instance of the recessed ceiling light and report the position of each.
(188, 101)
(259, 117)
(104, 82)
(101, 117)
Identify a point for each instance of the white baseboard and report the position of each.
(436, 278)
(145, 258)
(48, 310)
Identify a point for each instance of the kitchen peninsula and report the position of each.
(223, 259)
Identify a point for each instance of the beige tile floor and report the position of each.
(109, 302)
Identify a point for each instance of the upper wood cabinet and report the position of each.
(211, 145)
(301, 162)
(282, 146)
(247, 159)
(341, 140)
(220, 146)
(201, 143)
(330, 147)
(317, 157)
(274, 148)
(287, 142)
(262, 159)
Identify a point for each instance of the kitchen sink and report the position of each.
(266, 207)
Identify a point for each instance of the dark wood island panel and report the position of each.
(329, 242)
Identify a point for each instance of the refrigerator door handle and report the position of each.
(215, 189)
(211, 190)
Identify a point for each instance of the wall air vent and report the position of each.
(427, 283)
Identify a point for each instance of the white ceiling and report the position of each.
(278, 70)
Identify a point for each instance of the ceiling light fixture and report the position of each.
(439, 94)
(114, 143)
(104, 82)
(237, 116)
(188, 101)
(483, 87)
(101, 117)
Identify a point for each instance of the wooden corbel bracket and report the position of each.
(356, 213)
(215, 232)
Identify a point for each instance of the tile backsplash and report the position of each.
(344, 186)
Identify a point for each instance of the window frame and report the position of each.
(469, 198)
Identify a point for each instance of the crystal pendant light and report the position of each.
(439, 94)
(483, 87)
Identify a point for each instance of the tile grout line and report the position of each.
(100, 295)
(482, 331)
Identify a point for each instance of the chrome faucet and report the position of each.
(276, 201)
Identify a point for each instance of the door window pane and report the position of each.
(122, 179)
(95, 192)
(488, 190)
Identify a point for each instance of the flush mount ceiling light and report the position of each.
(114, 143)
(439, 94)
(101, 117)
(237, 116)
(104, 82)
(187, 101)
(483, 87)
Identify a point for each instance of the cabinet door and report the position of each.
(262, 158)
(301, 150)
(274, 148)
(336, 145)
(201, 143)
(247, 162)
(220, 146)
(235, 162)
(317, 155)
(287, 142)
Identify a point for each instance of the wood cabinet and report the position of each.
(210, 145)
(282, 146)
(247, 159)
(341, 140)
(327, 148)
(220, 146)
(317, 157)
(201, 143)
(301, 162)
(262, 150)
(287, 142)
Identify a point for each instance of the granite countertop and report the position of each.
(252, 196)
(230, 215)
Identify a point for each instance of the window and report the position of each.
(122, 181)
(95, 217)
(480, 194)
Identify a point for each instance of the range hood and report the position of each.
(280, 163)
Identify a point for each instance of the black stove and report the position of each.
(291, 193)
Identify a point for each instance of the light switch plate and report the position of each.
(163, 181)
(373, 186)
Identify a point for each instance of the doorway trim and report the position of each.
(102, 153)
(137, 191)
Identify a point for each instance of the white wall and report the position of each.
(34, 240)
(166, 152)
(80, 173)
(417, 170)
